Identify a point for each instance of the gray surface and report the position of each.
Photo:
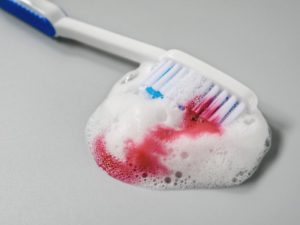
(48, 89)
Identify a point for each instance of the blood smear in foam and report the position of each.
(144, 159)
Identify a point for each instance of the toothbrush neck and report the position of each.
(107, 41)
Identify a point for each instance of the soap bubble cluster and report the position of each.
(206, 160)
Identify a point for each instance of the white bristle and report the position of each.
(199, 87)
(168, 76)
(202, 96)
(217, 103)
(201, 92)
(181, 85)
(204, 88)
(223, 110)
(177, 87)
(234, 113)
(210, 95)
(185, 92)
(173, 83)
(159, 72)
(189, 87)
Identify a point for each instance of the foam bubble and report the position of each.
(150, 143)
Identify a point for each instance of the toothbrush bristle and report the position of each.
(172, 81)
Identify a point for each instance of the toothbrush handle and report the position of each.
(107, 41)
(52, 21)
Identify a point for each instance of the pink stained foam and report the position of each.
(144, 159)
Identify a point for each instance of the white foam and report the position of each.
(209, 160)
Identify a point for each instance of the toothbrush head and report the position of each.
(209, 93)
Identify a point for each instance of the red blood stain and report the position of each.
(144, 159)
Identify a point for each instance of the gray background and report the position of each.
(48, 89)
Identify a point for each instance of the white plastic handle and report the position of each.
(107, 41)
(44, 15)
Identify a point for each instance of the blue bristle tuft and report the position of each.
(154, 93)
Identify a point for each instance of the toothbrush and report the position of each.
(175, 76)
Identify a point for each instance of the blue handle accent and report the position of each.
(29, 16)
